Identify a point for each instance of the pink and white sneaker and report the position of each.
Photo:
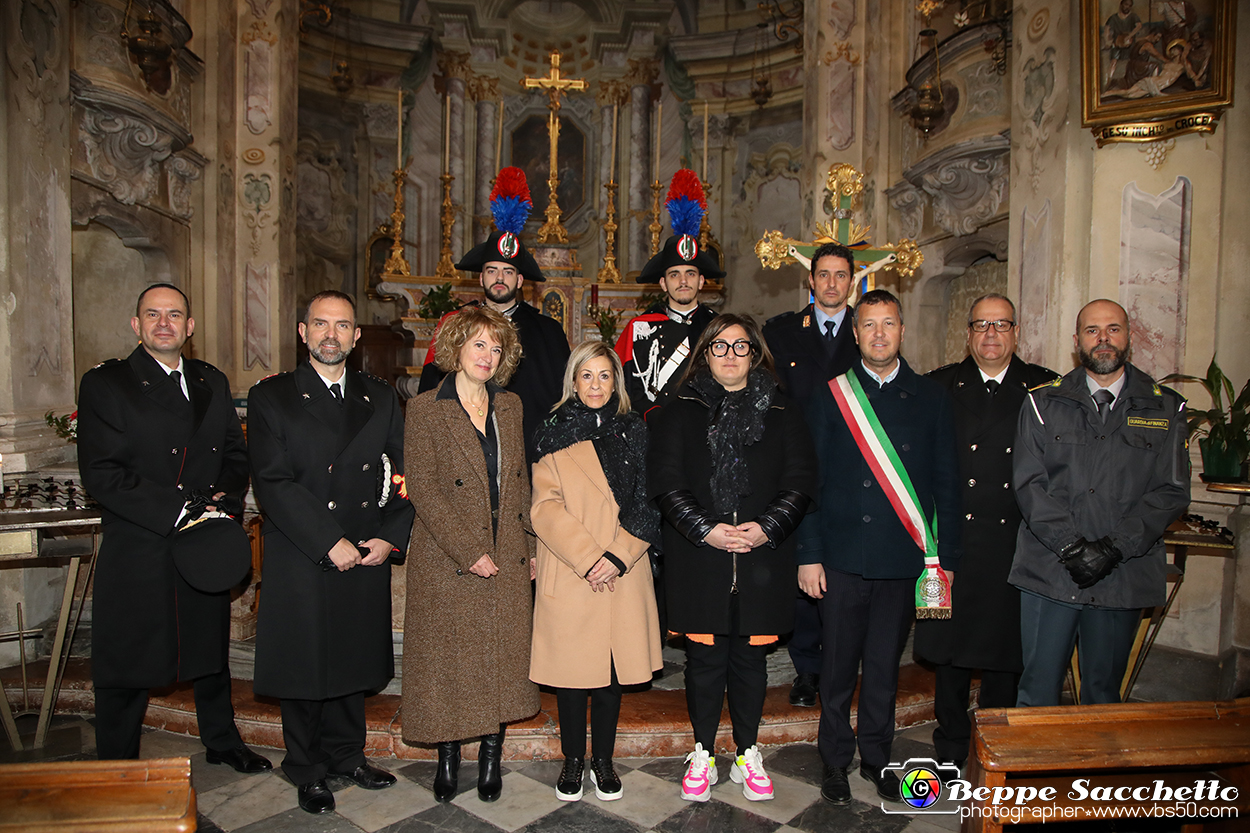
(748, 770)
(696, 784)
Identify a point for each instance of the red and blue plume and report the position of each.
(510, 202)
(685, 203)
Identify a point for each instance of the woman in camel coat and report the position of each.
(595, 622)
(468, 615)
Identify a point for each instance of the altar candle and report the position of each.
(399, 129)
(705, 142)
(499, 136)
(447, 135)
(594, 294)
(659, 121)
(612, 152)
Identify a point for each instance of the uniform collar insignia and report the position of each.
(306, 396)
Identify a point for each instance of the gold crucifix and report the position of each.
(555, 86)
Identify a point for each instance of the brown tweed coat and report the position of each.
(466, 638)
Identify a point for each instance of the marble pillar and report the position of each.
(634, 254)
(485, 92)
(456, 75)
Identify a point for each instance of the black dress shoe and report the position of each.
(241, 758)
(887, 782)
(836, 786)
(607, 783)
(569, 787)
(368, 777)
(315, 797)
(489, 778)
(803, 692)
(447, 776)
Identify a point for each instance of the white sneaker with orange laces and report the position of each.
(748, 770)
(696, 784)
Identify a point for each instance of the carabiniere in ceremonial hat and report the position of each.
(510, 205)
(686, 206)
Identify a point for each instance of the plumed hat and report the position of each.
(510, 205)
(686, 206)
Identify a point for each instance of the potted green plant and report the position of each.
(437, 302)
(1223, 432)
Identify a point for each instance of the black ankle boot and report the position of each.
(489, 779)
(446, 778)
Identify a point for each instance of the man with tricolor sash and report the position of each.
(883, 544)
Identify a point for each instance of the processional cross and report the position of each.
(555, 86)
(846, 183)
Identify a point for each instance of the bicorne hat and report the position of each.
(510, 205)
(211, 551)
(686, 206)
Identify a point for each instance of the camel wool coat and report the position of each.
(578, 633)
(466, 638)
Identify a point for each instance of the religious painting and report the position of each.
(531, 152)
(555, 306)
(1156, 60)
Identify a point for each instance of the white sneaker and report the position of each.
(748, 770)
(696, 784)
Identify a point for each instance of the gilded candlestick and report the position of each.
(446, 266)
(655, 228)
(396, 263)
(609, 273)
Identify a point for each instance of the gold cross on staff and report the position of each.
(555, 86)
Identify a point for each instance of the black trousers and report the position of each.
(1048, 631)
(865, 620)
(323, 736)
(731, 664)
(805, 641)
(952, 687)
(605, 713)
(119, 717)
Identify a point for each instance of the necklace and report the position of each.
(477, 408)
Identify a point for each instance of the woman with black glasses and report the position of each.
(732, 468)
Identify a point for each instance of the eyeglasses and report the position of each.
(720, 348)
(1002, 325)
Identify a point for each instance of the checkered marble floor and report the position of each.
(266, 803)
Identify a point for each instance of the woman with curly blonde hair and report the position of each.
(467, 621)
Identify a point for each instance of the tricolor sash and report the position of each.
(933, 589)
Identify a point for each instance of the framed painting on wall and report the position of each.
(1156, 60)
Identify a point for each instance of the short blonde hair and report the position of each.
(457, 329)
(584, 352)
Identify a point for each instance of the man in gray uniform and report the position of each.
(1101, 470)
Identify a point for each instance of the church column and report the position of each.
(456, 75)
(640, 78)
(267, 72)
(36, 327)
(610, 94)
(485, 92)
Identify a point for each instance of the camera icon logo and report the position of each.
(922, 783)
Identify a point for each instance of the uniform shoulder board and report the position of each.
(1053, 383)
(376, 378)
(1155, 389)
(779, 317)
(943, 367)
(107, 362)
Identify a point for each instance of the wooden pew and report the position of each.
(71, 796)
(1116, 745)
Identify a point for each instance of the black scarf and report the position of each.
(621, 444)
(735, 420)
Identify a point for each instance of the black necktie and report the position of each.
(336, 393)
(830, 330)
(992, 386)
(177, 377)
(1104, 398)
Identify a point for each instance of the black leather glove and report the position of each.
(681, 509)
(783, 515)
(1089, 562)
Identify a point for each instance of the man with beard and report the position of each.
(810, 347)
(155, 431)
(655, 347)
(983, 632)
(321, 438)
(505, 264)
(1101, 470)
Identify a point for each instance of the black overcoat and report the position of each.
(984, 628)
(698, 578)
(804, 361)
(324, 633)
(855, 530)
(141, 451)
(539, 378)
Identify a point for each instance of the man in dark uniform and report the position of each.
(856, 555)
(1101, 469)
(505, 264)
(318, 437)
(810, 347)
(154, 430)
(655, 346)
(983, 632)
